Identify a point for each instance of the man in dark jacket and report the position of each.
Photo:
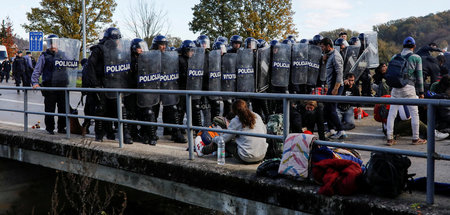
(6, 69)
(19, 69)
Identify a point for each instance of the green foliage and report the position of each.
(267, 19)
(64, 17)
(426, 29)
(335, 33)
(7, 37)
(216, 18)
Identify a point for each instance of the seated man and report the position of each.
(345, 110)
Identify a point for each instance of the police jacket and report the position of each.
(93, 71)
(133, 76)
(19, 65)
(183, 70)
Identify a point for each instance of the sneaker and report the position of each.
(339, 135)
(439, 135)
(330, 133)
(198, 144)
(419, 142)
(51, 132)
(391, 142)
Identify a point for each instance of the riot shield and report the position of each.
(214, 68)
(372, 45)
(447, 59)
(361, 64)
(262, 69)
(245, 71)
(314, 57)
(169, 77)
(300, 63)
(281, 65)
(117, 60)
(149, 71)
(195, 71)
(229, 73)
(351, 57)
(66, 62)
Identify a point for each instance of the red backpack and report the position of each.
(381, 111)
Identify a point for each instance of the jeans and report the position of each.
(407, 91)
(330, 112)
(347, 118)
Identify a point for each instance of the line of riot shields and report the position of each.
(247, 70)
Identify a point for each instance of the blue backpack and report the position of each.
(396, 74)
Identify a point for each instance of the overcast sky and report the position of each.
(311, 16)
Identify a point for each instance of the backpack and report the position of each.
(397, 72)
(387, 174)
(381, 111)
(275, 127)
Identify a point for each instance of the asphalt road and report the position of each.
(367, 131)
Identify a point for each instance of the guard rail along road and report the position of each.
(431, 104)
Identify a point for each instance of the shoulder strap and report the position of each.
(408, 55)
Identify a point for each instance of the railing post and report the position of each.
(431, 119)
(189, 125)
(119, 118)
(286, 106)
(25, 109)
(67, 101)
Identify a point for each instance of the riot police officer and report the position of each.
(191, 68)
(215, 75)
(54, 64)
(170, 80)
(204, 42)
(236, 43)
(108, 66)
(262, 60)
(146, 65)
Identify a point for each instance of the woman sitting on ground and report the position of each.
(246, 149)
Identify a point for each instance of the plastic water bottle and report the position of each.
(220, 151)
(359, 116)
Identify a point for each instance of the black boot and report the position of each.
(152, 137)
(99, 132)
(177, 136)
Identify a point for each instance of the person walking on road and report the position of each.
(19, 69)
(334, 73)
(415, 83)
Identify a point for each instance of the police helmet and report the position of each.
(250, 43)
(287, 41)
(186, 46)
(303, 41)
(339, 42)
(262, 43)
(316, 39)
(361, 36)
(354, 41)
(203, 41)
(138, 43)
(220, 46)
(158, 40)
(112, 33)
(52, 41)
(291, 38)
(222, 39)
(236, 39)
(273, 43)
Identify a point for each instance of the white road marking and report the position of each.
(31, 103)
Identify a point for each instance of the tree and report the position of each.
(174, 41)
(267, 19)
(64, 17)
(146, 21)
(335, 33)
(216, 18)
(7, 37)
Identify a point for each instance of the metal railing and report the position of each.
(431, 104)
